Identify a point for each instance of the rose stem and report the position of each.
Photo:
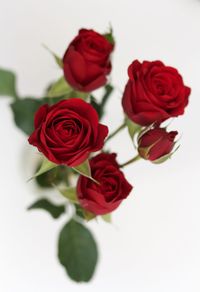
(134, 159)
(109, 89)
(116, 131)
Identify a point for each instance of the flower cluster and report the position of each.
(68, 132)
(66, 128)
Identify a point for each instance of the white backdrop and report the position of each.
(154, 244)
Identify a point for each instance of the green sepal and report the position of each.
(69, 193)
(57, 59)
(59, 88)
(133, 128)
(84, 214)
(165, 157)
(109, 36)
(144, 151)
(85, 170)
(57, 175)
(88, 215)
(79, 94)
(45, 166)
(107, 218)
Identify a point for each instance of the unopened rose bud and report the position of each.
(156, 144)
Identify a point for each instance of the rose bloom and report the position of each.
(112, 187)
(87, 61)
(154, 93)
(68, 131)
(156, 143)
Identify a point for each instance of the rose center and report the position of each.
(67, 129)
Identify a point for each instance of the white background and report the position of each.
(154, 244)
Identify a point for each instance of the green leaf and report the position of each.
(77, 251)
(57, 59)
(84, 169)
(106, 217)
(24, 110)
(55, 210)
(79, 211)
(69, 193)
(133, 128)
(7, 83)
(59, 88)
(45, 166)
(55, 176)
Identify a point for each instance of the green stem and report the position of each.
(109, 90)
(134, 159)
(116, 131)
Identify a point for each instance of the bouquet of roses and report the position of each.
(65, 127)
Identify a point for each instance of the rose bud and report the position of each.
(156, 144)
(112, 187)
(87, 61)
(154, 93)
(68, 131)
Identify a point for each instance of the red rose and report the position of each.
(154, 93)
(87, 61)
(68, 131)
(156, 143)
(112, 189)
